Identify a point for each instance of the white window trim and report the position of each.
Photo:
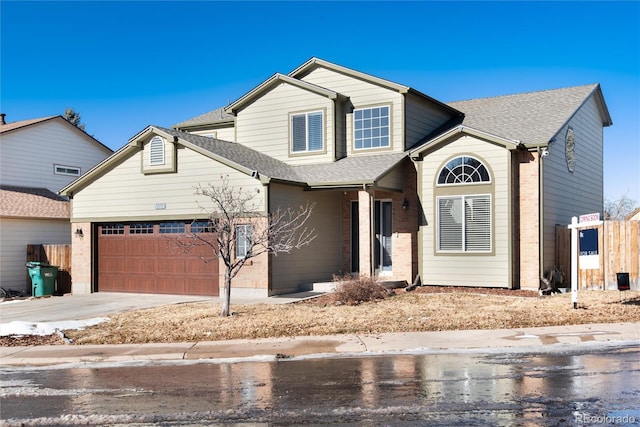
(463, 197)
(152, 147)
(463, 183)
(306, 134)
(353, 124)
(58, 172)
(248, 246)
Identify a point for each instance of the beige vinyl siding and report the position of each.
(322, 258)
(29, 155)
(467, 269)
(223, 133)
(567, 194)
(265, 124)
(421, 118)
(341, 131)
(125, 193)
(16, 235)
(362, 94)
(394, 180)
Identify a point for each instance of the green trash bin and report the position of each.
(43, 278)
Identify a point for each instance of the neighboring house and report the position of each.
(466, 193)
(37, 158)
(634, 216)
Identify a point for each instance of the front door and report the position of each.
(382, 229)
(382, 248)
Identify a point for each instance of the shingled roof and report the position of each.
(532, 118)
(212, 117)
(30, 202)
(349, 170)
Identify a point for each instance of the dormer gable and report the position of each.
(272, 82)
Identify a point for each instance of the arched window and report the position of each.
(465, 219)
(464, 170)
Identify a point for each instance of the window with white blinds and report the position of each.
(464, 223)
(156, 151)
(307, 132)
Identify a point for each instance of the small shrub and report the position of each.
(354, 290)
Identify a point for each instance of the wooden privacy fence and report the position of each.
(58, 255)
(618, 243)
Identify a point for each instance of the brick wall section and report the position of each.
(347, 198)
(529, 220)
(253, 275)
(81, 259)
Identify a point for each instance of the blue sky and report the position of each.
(125, 65)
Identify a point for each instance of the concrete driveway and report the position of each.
(102, 304)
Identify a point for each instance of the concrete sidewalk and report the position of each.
(101, 304)
(528, 339)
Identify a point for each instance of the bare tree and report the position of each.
(619, 208)
(239, 231)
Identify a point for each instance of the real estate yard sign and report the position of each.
(587, 223)
(589, 258)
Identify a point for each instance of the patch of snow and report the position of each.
(46, 328)
(11, 301)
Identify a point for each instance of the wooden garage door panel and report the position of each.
(141, 245)
(150, 263)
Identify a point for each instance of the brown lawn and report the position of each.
(426, 309)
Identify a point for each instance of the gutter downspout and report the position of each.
(540, 212)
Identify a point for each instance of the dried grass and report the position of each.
(423, 310)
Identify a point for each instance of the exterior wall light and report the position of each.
(79, 232)
(405, 204)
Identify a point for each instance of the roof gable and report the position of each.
(533, 118)
(355, 170)
(272, 82)
(25, 124)
(313, 63)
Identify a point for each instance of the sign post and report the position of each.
(586, 221)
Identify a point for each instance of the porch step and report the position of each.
(324, 286)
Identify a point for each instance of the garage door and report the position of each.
(143, 257)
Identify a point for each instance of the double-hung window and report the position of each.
(243, 240)
(371, 128)
(307, 132)
(464, 214)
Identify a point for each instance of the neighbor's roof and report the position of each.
(13, 126)
(212, 117)
(23, 123)
(532, 118)
(30, 202)
(634, 216)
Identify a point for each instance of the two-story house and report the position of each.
(38, 157)
(465, 193)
